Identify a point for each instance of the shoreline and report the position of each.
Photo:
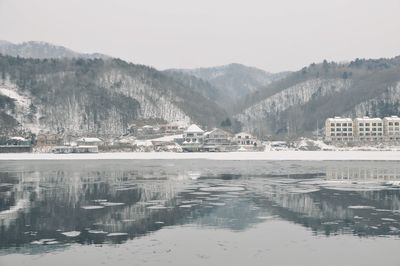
(222, 156)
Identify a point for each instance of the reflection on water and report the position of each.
(47, 205)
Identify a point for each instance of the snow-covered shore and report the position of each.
(233, 156)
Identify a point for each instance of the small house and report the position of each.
(193, 138)
(246, 139)
(217, 140)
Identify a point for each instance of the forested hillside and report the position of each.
(299, 103)
(95, 96)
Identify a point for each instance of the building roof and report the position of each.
(90, 140)
(339, 119)
(194, 129)
(18, 138)
(392, 118)
(366, 118)
(244, 133)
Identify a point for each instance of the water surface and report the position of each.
(199, 212)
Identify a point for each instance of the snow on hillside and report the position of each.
(22, 102)
(391, 97)
(153, 104)
(293, 96)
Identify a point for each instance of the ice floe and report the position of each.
(359, 207)
(221, 189)
(71, 233)
(117, 234)
(110, 204)
(92, 207)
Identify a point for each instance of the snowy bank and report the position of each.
(233, 156)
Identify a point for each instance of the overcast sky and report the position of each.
(274, 35)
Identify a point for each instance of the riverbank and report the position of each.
(233, 156)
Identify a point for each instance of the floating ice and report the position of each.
(190, 201)
(266, 217)
(217, 203)
(92, 207)
(383, 210)
(388, 219)
(99, 200)
(110, 204)
(43, 241)
(71, 233)
(221, 189)
(125, 188)
(330, 223)
(361, 207)
(185, 206)
(157, 207)
(51, 243)
(128, 220)
(96, 232)
(159, 222)
(117, 234)
(200, 193)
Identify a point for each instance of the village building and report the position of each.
(174, 127)
(339, 129)
(391, 126)
(246, 139)
(217, 140)
(16, 144)
(368, 129)
(193, 138)
(89, 142)
(49, 139)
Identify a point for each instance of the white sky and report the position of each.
(274, 35)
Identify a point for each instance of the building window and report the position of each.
(367, 124)
(361, 124)
(374, 124)
(332, 124)
(390, 123)
(344, 124)
(380, 124)
(396, 124)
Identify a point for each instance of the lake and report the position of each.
(199, 212)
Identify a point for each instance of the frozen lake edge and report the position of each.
(229, 156)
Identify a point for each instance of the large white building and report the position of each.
(367, 128)
(363, 129)
(391, 127)
(339, 129)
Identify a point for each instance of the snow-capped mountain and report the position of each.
(42, 50)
